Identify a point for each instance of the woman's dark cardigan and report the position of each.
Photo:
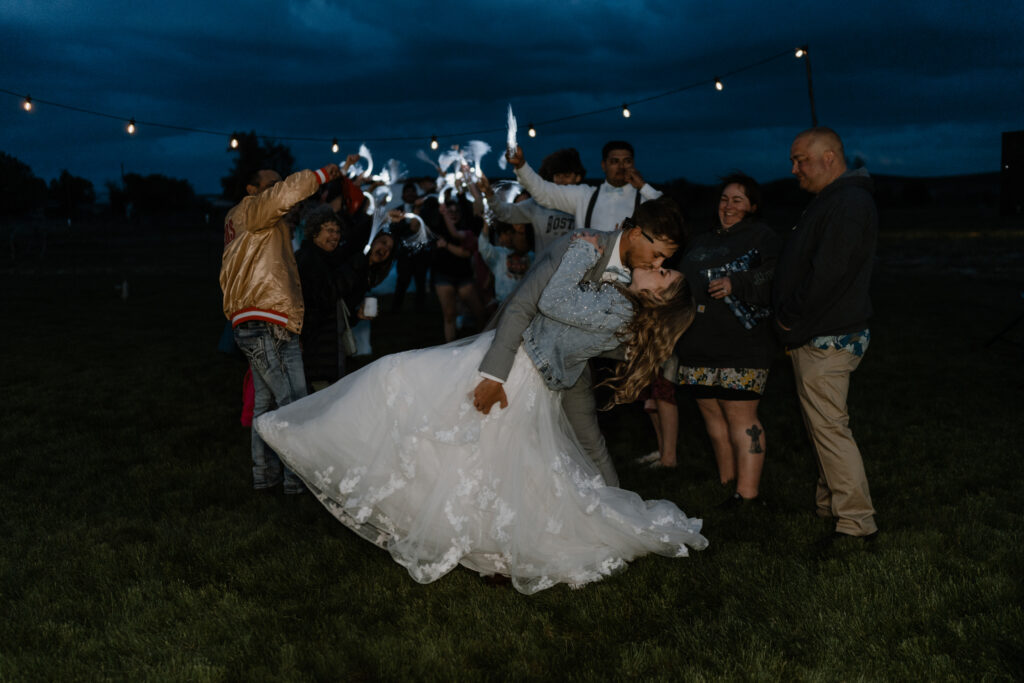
(328, 277)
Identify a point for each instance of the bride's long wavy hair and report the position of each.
(657, 324)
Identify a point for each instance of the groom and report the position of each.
(645, 241)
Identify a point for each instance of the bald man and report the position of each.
(821, 309)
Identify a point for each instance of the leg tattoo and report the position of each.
(755, 439)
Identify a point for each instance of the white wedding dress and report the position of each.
(397, 452)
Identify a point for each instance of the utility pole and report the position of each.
(805, 53)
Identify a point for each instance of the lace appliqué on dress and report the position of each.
(396, 452)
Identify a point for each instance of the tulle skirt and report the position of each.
(397, 452)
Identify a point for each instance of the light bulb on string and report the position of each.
(334, 145)
(802, 51)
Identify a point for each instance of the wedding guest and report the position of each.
(822, 306)
(604, 207)
(263, 301)
(412, 258)
(451, 270)
(725, 355)
(328, 278)
(562, 167)
(509, 259)
(342, 195)
(659, 402)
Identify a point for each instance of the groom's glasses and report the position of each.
(629, 224)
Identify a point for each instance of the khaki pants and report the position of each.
(822, 383)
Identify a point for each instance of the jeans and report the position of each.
(278, 379)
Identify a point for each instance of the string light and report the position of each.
(531, 131)
(334, 145)
(802, 51)
(234, 142)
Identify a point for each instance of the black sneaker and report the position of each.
(736, 502)
(275, 490)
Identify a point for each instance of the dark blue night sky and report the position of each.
(914, 88)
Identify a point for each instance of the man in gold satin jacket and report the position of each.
(263, 301)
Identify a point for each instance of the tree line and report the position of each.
(22, 193)
(154, 196)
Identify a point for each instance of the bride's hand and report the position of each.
(487, 393)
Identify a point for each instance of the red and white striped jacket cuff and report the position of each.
(247, 314)
(321, 175)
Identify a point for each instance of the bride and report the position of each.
(397, 452)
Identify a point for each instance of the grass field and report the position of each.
(134, 548)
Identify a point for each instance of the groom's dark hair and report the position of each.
(662, 218)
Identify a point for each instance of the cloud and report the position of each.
(895, 77)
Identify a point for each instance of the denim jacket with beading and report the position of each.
(577, 321)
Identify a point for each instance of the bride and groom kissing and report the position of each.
(486, 452)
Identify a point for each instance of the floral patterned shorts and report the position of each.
(739, 379)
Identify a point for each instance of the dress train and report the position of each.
(397, 452)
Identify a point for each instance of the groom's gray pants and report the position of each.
(581, 410)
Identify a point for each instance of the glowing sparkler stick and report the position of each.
(356, 170)
(504, 191)
(448, 158)
(383, 195)
(364, 152)
(511, 144)
(380, 218)
(478, 149)
(422, 237)
(446, 185)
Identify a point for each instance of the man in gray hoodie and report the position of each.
(562, 167)
(822, 306)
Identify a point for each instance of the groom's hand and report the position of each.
(487, 393)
